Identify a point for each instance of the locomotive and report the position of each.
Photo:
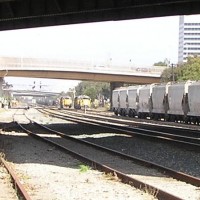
(82, 101)
(169, 101)
(65, 101)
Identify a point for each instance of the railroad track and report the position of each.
(167, 141)
(17, 185)
(103, 152)
(134, 120)
(179, 136)
(15, 180)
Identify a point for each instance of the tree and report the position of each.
(166, 75)
(190, 70)
(186, 71)
(93, 89)
(162, 63)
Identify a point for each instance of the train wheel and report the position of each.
(156, 117)
(189, 120)
(166, 118)
(197, 121)
(194, 120)
(123, 113)
(130, 113)
(134, 113)
(186, 120)
(172, 118)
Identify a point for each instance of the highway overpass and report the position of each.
(45, 68)
(32, 93)
(17, 14)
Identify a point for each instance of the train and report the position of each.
(170, 101)
(66, 102)
(82, 101)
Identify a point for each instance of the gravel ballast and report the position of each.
(49, 174)
(121, 142)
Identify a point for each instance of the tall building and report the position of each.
(189, 37)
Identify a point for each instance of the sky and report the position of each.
(140, 42)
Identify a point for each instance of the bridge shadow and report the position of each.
(22, 149)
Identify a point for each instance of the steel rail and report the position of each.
(138, 123)
(132, 130)
(175, 174)
(161, 195)
(135, 121)
(20, 188)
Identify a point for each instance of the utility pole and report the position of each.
(172, 65)
(73, 91)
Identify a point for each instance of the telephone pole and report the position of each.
(172, 65)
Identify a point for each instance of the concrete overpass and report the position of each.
(32, 93)
(45, 68)
(16, 14)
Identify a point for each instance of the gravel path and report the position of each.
(49, 174)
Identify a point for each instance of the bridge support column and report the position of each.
(114, 85)
(1, 85)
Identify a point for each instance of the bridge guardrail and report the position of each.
(8, 63)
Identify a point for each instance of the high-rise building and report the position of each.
(189, 37)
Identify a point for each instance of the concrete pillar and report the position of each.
(1, 85)
(114, 85)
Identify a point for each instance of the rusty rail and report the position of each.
(20, 189)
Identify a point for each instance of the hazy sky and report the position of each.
(143, 41)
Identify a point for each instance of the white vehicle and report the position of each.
(115, 101)
(145, 102)
(169, 101)
(160, 101)
(178, 102)
(123, 101)
(194, 102)
(119, 104)
(133, 97)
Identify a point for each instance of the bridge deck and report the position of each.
(16, 14)
(78, 70)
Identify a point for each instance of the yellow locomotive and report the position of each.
(82, 101)
(66, 102)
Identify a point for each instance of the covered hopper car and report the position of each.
(168, 101)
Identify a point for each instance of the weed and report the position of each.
(151, 191)
(112, 176)
(84, 168)
(25, 177)
(2, 155)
